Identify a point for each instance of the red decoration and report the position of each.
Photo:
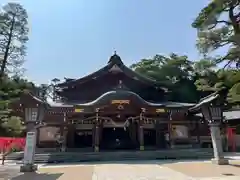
(7, 143)
(231, 132)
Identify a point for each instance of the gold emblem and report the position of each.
(160, 110)
(120, 102)
(79, 110)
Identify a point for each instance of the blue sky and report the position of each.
(76, 37)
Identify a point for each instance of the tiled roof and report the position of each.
(228, 115)
(205, 100)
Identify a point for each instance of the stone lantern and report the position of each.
(213, 114)
(211, 108)
(33, 120)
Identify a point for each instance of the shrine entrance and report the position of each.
(82, 138)
(116, 138)
(150, 137)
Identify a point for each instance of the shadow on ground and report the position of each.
(37, 176)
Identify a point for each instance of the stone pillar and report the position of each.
(141, 138)
(217, 144)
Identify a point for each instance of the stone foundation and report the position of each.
(221, 161)
(28, 168)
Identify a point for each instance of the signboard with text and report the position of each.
(29, 150)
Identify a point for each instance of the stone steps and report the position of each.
(61, 157)
(14, 156)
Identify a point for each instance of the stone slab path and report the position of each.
(151, 170)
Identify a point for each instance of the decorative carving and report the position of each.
(120, 107)
(115, 69)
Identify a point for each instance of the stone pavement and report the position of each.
(145, 170)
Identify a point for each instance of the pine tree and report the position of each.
(13, 37)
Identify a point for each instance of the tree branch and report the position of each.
(233, 19)
(226, 22)
(219, 22)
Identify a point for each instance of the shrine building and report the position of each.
(110, 109)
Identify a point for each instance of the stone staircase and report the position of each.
(74, 157)
(14, 156)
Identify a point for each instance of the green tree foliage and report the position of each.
(188, 81)
(13, 37)
(218, 27)
(205, 75)
(13, 126)
(10, 90)
(175, 71)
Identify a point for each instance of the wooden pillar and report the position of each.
(158, 132)
(70, 136)
(100, 132)
(198, 134)
(141, 132)
(130, 131)
(97, 132)
(141, 137)
(93, 136)
(64, 144)
(170, 135)
(135, 133)
(189, 135)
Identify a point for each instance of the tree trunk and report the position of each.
(6, 53)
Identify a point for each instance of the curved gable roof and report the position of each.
(114, 63)
(125, 94)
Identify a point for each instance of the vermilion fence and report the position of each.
(7, 143)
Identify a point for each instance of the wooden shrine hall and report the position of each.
(113, 108)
